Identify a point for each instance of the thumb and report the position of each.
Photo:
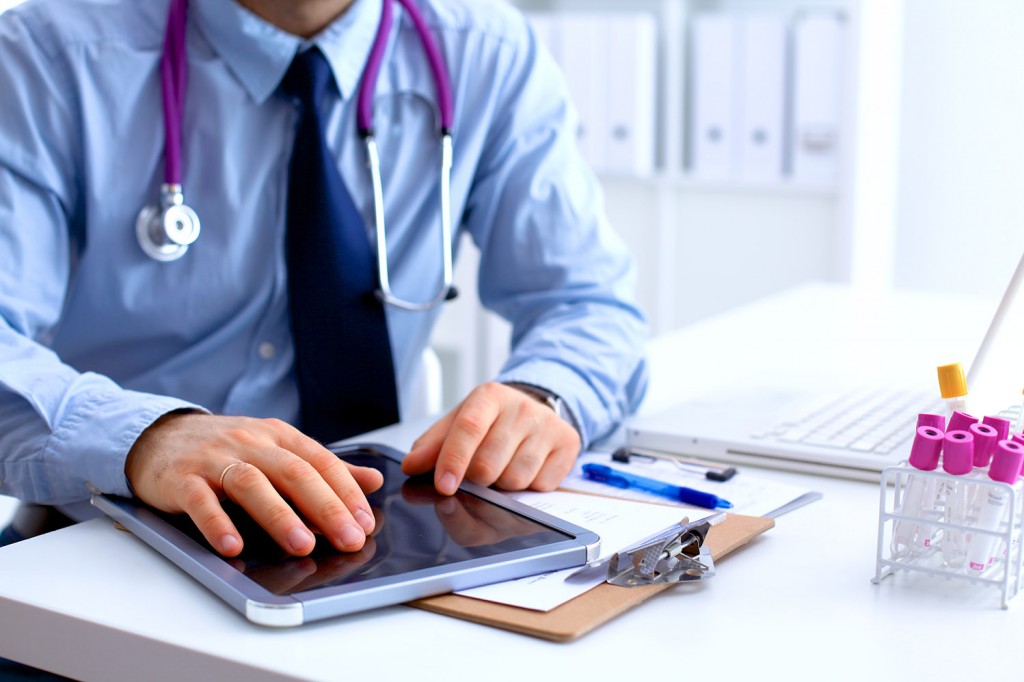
(423, 455)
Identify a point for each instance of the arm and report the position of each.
(64, 432)
(551, 265)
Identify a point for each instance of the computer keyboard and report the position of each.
(863, 420)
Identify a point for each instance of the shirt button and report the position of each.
(267, 350)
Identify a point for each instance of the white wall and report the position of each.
(961, 204)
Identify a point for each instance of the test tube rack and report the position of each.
(1004, 573)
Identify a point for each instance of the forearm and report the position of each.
(63, 432)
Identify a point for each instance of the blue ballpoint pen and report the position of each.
(620, 479)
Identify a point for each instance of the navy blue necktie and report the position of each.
(343, 360)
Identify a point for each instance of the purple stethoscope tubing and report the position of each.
(165, 231)
(364, 111)
(173, 80)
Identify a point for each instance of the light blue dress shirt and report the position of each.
(97, 340)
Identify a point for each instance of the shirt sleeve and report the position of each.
(550, 262)
(62, 432)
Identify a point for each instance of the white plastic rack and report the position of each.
(1003, 573)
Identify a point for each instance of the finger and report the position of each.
(368, 478)
(323, 490)
(496, 450)
(251, 489)
(423, 454)
(326, 490)
(469, 427)
(200, 502)
(555, 468)
(526, 463)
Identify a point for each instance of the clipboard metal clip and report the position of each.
(674, 555)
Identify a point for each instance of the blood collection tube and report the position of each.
(957, 459)
(1006, 463)
(910, 536)
(960, 421)
(1002, 426)
(985, 438)
(953, 387)
(937, 421)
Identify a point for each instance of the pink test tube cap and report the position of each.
(928, 419)
(1002, 426)
(924, 453)
(985, 438)
(1007, 461)
(1016, 438)
(958, 452)
(960, 421)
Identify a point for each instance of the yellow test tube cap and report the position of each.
(952, 382)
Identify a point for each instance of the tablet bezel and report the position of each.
(265, 608)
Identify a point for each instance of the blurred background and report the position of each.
(746, 147)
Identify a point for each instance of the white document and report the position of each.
(748, 494)
(817, 91)
(620, 523)
(584, 60)
(630, 93)
(762, 74)
(714, 113)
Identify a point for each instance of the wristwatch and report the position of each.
(552, 400)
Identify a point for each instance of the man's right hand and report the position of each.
(189, 462)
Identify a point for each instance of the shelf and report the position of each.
(691, 182)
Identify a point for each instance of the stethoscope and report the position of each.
(166, 230)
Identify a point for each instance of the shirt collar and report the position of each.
(259, 53)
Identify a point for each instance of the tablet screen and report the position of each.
(417, 528)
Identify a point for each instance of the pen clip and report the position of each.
(675, 555)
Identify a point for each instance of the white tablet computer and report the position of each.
(424, 544)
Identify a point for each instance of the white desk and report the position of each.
(93, 602)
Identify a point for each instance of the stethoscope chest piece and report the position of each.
(165, 231)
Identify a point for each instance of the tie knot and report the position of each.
(307, 78)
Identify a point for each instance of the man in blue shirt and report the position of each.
(177, 379)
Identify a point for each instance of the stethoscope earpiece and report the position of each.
(165, 231)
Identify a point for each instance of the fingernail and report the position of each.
(228, 544)
(448, 484)
(364, 519)
(350, 535)
(299, 538)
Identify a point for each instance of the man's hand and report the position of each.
(186, 462)
(498, 434)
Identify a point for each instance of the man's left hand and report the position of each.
(497, 435)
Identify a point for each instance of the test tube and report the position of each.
(1006, 462)
(957, 459)
(953, 387)
(1020, 417)
(1002, 426)
(960, 421)
(985, 438)
(909, 537)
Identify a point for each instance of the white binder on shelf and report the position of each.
(713, 115)
(584, 59)
(818, 37)
(761, 100)
(630, 93)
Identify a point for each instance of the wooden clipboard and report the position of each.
(579, 616)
